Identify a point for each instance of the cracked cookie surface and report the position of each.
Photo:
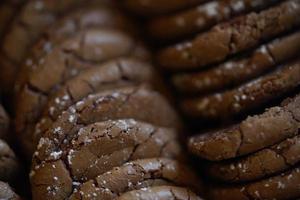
(252, 134)
(229, 38)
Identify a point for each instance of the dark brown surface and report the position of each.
(158, 7)
(7, 193)
(32, 19)
(161, 193)
(134, 102)
(112, 74)
(87, 49)
(121, 141)
(199, 18)
(138, 174)
(281, 187)
(230, 38)
(237, 71)
(246, 97)
(254, 133)
(274, 159)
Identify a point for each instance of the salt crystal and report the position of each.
(56, 154)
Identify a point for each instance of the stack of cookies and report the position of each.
(88, 110)
(236, 63)
(9, 165)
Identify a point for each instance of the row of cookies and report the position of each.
(87, 106)
(225, 71)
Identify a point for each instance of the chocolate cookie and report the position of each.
(89, 190)
(99, 16)
(124, 140)
(232, 37)
(199, 18)
(281, 187)
(112, 74)
(9, 165)
(6, 192)
(237, 71)
(85, 50)
(115, 73)
(121, 141)
(158, 7)
(245, 97)
(113, 104)
(32, 19)
(254, 133)
(260, 164)
(160, 192)
(136, 175)
(4, 123)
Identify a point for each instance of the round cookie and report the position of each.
(121, 141)
(200, 18)
(88, 190)
(230, 38)
(85, 50)
(110, 105)
(6, 192)
(281, 187)
(88, 17)
(160, 192)
(248, 96)
(237, 71)
(158, 7)
(9, 165)
(4, 123)
(136, 175)
(32, 19)
(124, 140)
(112, 74)
(268, 161)
(252, 134)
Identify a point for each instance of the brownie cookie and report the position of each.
(99, 16)
(124, 140)
(112, 74)
(116, 73)
(121, 141)
(4, 123)
(85, 50)
(158, 7)
(160, 192)
(281, 187)
(232, 37)
(201, 17)
(260, 164)
(237, 71)
(32, 19)
(136, 175)
(9, 165)
(89, 190)
(245, 97)
(7, 193)
(109, 105)
(254, 133)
